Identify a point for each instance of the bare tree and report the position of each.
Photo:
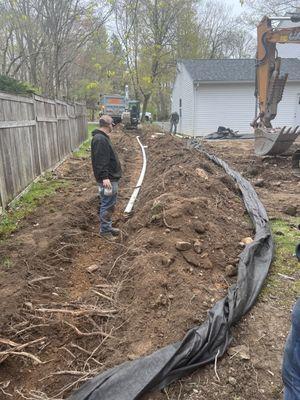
(43, 38)
(148, 32)
(221, 34)
(256, 9)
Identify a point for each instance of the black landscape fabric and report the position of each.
(203, 344)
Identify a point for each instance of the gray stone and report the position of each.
(199, 227)
(259, 182)
(183, 246)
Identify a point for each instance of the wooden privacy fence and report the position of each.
(35, 134)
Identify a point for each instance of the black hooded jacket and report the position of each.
(105, 161)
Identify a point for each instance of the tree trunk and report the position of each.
(145, 104)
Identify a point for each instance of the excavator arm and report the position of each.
(270, 86)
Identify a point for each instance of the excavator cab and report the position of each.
(269, 87)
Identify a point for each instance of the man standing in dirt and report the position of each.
(107, 171)
(174, 121)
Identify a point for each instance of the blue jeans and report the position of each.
(107, 207)
(291, 358)
(173, 125)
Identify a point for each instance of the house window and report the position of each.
(180, 103)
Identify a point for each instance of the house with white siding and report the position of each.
(211, 93)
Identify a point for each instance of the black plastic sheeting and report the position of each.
(205, 343)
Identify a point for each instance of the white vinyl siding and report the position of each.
(286, 112)
(183, 89)
(206, 106)
(289, 50)
(230, 105)
(233, 106)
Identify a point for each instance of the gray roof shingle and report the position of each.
(235, 70)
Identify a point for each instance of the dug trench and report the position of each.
(74, 305)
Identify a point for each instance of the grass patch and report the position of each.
(85, 148)
(44, 187)
(286, 236)
(6, 262)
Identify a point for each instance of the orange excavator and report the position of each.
(270, 86)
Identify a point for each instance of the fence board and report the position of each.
(35, 134)
(16, 124)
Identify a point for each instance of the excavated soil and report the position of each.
(176, 257)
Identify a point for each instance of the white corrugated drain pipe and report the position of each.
(135, 193)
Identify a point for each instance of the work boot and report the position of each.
(108, 236)
(115, 232)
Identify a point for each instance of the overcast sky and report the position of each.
(236, 6)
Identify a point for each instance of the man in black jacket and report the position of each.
(107, 171)
(174, 122)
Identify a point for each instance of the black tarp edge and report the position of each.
(202, 344)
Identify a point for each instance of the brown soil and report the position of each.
(145, 293)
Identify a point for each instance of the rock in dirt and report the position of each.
(92, 268)
(201, 173)
(259, 182)
(206, 263)
(252, 171)
(290, 210)
(167, 260)
(199, 227)
(230, 270)
(198, 246)
(183, 246)
(155, 242)
(246, 240)
(232, 381)
(191, 258)
(241, 351)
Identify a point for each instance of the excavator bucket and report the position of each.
(271, 142)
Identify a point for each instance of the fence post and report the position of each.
(37, 133)
(2, 187)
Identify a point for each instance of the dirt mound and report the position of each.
(182, 251)
(272, 177)
(142, 293)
